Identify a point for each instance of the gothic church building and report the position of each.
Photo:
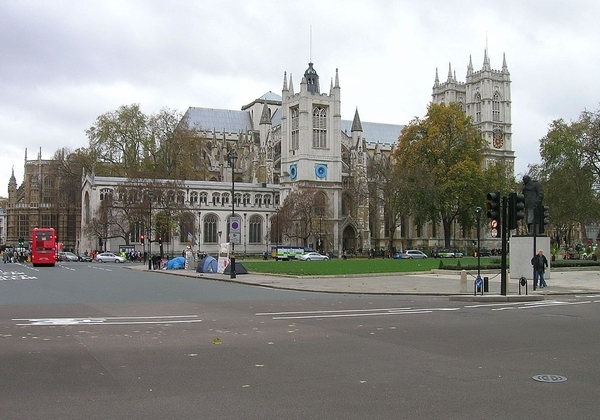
(299, 140)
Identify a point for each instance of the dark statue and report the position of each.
(534, 194)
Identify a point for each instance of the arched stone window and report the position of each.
(496, 107)
(255, 229)
(48, 192)
(319, 127)
(104, 193)
(203, 198)
(295, 128)
(478, 108)
(210, 229)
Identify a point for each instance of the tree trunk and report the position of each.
(447, 224)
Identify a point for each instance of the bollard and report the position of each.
(463, 281)
(523, 282)
(486, 284)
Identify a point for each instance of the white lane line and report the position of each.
(533, 306)
(332, 311)
(117, 320)
(345, 313)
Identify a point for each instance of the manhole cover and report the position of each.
(549, 378)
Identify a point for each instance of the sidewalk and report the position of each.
(439, 283)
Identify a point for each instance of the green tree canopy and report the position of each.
(131, 144)
(569, 172)
(440, 158)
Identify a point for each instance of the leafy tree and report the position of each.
(569, 172)
(129, 143)
(440, 159)
(120, 138)
(388, 193)
(300, 215)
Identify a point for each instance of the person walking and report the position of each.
(539, 262)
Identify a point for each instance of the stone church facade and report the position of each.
(299, 140)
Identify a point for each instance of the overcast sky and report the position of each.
(64, 63)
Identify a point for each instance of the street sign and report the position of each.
(494, 233)
(494, 224)
(235, 230)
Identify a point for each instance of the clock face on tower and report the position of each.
(498, 139)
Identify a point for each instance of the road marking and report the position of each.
(115, 320)
(554, 303)
(352, 313)
(15, 275)
(347, 313)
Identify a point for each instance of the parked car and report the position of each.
(412, 254)
(313, 256)
(68, 256)
(109, 257)
(85, 258)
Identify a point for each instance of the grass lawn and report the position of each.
(352, 266)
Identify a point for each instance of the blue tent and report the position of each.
(207, 265)
(176, 263)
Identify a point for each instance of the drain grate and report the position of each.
(549, 378)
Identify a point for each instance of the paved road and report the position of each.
(445, 283)
(98, 341)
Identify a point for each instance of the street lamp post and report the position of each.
(478, 211)
(232, 159)
(320, 237)
(149, 236)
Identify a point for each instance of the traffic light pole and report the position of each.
(535, 228)
(504, 230)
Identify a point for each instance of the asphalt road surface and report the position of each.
(98, 341)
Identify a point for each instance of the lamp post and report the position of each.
(232, 159)
(276, 228)
(320, 238)
(478, 211)
(150, 195)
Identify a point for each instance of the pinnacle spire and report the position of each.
(470, 66)
(356, 125)
(450, 73)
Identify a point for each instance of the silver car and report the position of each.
(68, 256)
(313, 256)
(110, 257)
(414, 254)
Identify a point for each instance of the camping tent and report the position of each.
(207, 265)
(176, 263)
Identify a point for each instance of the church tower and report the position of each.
(486, 98)
(311, 141)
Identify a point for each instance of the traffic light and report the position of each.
(493, 212)
(21, 242)
(142, 239)
(160, 240)
(543, 215)
(516, 209)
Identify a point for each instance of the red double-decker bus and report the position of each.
(43, 247)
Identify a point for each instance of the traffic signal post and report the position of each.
(504, 214)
